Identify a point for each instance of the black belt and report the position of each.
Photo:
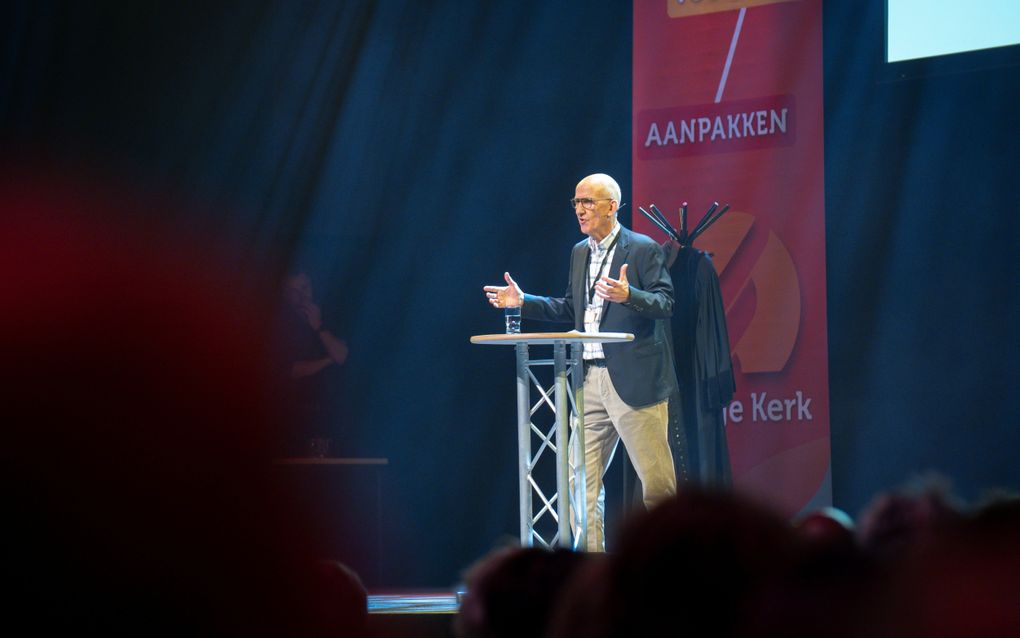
(594, 363)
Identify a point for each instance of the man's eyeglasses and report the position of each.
(587, 203)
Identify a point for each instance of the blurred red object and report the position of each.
(139, 422)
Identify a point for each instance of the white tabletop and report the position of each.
(552, 337)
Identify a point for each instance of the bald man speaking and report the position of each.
(618, 283)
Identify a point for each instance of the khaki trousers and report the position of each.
(644, 431)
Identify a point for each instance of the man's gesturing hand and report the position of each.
(610, 289)
(505, 296)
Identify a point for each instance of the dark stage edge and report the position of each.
(418, 614)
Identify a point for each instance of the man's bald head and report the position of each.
(596, 200)
(604, 184)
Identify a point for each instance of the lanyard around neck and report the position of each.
(602, 266)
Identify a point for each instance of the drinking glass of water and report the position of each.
(513, 319)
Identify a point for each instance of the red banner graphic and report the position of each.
(728, 108)
(717, 128)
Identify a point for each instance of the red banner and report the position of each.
(728, 108)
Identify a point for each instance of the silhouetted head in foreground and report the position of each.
(513, 591)
(897, 522)
(697, 564)
(138, 422)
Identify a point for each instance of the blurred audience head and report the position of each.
(898, 521)
(827, 534)
(827, 524)
(513, 591)
(963, 581)
(338, 602)
(696, 564)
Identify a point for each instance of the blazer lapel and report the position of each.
(580, 286)
(619, 259)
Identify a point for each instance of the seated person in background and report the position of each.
(311, 355)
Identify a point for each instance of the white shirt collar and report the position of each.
(599, 246)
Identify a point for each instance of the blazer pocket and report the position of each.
(648, 349)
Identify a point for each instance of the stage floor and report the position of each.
(412, 614)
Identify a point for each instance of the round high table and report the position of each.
(565, 398)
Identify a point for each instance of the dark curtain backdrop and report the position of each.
(406, 153)
(922, 237)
